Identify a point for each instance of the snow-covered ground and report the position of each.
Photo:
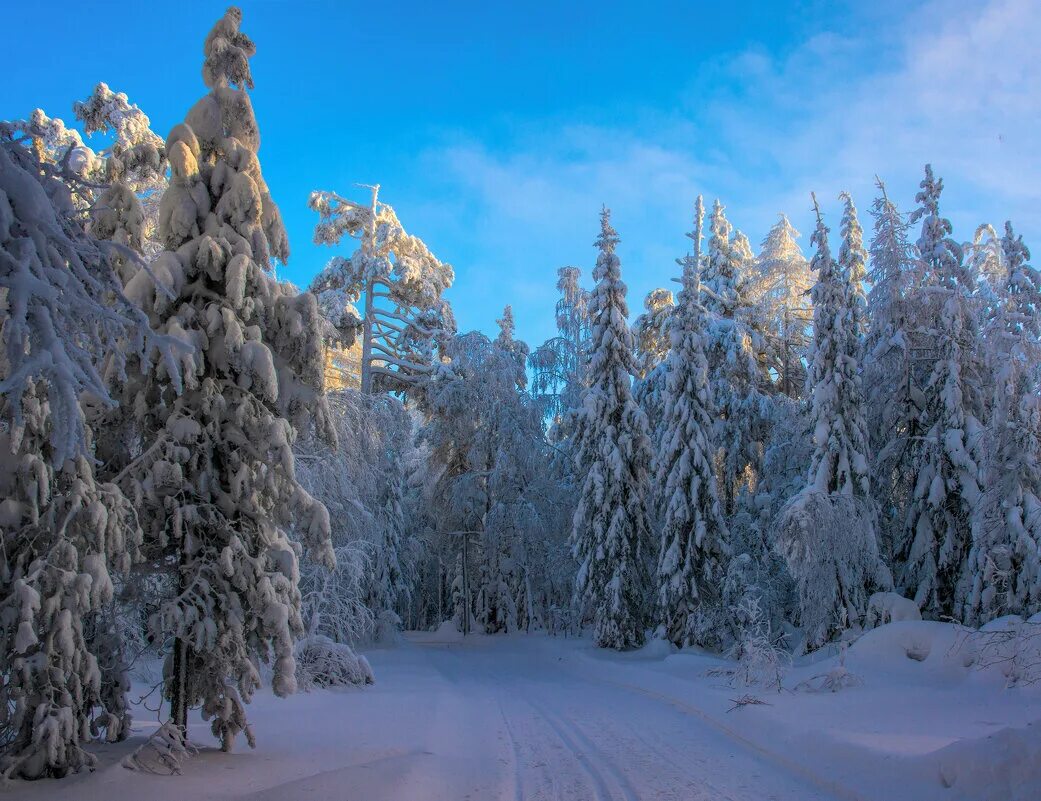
(536, 717)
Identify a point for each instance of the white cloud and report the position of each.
(955, 84)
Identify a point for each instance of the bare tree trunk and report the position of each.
(179, 687)
(366, 343)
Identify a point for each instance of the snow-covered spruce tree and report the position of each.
(64, 532)
(986, 257)
(610, 534)
(401, 282)
(651, 330)
(890, 384)
(693, 552)
(781, 290)
(126, 211)
(853, 261)
(937, 536)
(215, 483)
(734, 370)
(651, 333)
(1004, 564)
(826, 533)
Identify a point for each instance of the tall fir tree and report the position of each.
(651, 332)
(610, 533)
(827, 531)
(694, 550)
(215, 483)
(839, 463)
(1004, 565)
(734, 370)
(891, 389)
(781, 292)
(937, 535)
(64, 532)
(853, 260)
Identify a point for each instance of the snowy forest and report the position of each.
(248, 483)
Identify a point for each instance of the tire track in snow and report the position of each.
(543, 758)
(563, 778)
(661, 751)
(828, 786)
(583, 749)
(518, 789)
(555, 770)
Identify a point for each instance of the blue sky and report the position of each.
(498, 129)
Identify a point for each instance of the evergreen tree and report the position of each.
(65, 534)
(827, 532)
(839, 464)
(215, 483)
(693, 553)
(781, 292)
(853, 260)
(610, 533)
(1004, 564)
(891, 388)
(734, 371)
(651, 333)
(946, 458)
(651, 330)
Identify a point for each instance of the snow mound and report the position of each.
(1005, 766)
(320, 662)
(657, 648)
(890, 607)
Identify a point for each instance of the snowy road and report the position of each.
(555, 732)
(488, 719)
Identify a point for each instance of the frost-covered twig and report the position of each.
(747, 700)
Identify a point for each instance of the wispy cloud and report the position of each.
(955, 84)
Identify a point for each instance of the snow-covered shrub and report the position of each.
(762, 660)
(837, 678)
(1009, 645)
(321, 662)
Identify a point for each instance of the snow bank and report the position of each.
(1006, 766)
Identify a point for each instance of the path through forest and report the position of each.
(481, 719)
